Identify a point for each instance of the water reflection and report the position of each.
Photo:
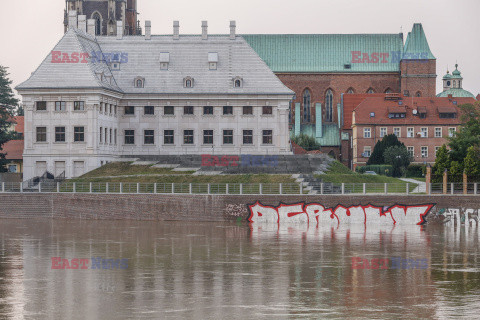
(184, 270)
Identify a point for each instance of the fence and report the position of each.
(240, 188)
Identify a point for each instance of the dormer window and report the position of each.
(115, 66)
(139, 82)
(188, 82)
(212, 60)
(164, 60)
(237, 82)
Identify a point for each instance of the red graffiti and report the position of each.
(315, 213)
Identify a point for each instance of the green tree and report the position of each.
(442, 162)
(306, 142)
(456, 171)
(471, 163)
(377, 156)
(399, 158)
(469, 133)
(8, 102)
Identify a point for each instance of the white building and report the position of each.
(149, 95)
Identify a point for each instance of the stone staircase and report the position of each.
(314, 185)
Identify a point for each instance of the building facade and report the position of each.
(98, 98)
(106, 13)
(14, 148)
(421, 123)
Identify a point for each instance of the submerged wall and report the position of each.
(327, 209)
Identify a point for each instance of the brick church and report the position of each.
(319, 68)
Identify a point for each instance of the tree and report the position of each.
(399, 158)
(442, 162)
(8, 102)
(306, 142)
(20, 111)
(471, 163)
(469, 133)
(377, 156)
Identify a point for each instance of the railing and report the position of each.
(239, 188)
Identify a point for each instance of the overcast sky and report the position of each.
(31, 28)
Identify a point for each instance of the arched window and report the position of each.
(418, 94)
(388, 90)
(329, 105)
(350, 91)
(188, 82)
(370, 90)
(98, 23)
(139, 82)
(238, 83)
(306, 105)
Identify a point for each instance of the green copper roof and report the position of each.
(416, 45)
(456, 93)
(456, 74)
(330, 136)
(447, 76)
(327, 52)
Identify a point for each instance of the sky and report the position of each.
(31, 28)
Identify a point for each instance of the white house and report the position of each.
(97, 98)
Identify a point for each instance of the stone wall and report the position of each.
(200, 207)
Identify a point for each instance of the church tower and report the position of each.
(106, 13)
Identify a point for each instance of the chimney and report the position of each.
(233, 26)
(119, 30)
(204, 30)
(91, 26)
(72, 19)
(148, 30)
(176, 30)
(82, 23)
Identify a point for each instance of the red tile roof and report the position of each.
(14, 148)
(350, 102)
(432, 105)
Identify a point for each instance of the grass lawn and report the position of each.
(126, 168)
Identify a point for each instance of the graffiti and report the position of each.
(382, 57)
(96, 56)
(396, 263)
(317, 214)
(235, 210)
(460, 215)
(82, 263)
(246, 160)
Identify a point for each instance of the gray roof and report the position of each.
(188, 57)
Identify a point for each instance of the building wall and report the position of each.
(359, 142)
(419, 77)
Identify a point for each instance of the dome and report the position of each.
(447, 76)
(456, 93)
(456, 74)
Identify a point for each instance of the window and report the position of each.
(367, 151)
(60, 106)
(411, 152)
(247, 136)
(447, 115)
(79, 134)
(388, 90)
(438, 132)
(396, 131)
(98, 24)
(129, 136)
(139, 83)
(451, 131)
(424, 151)
(59, 134)
(129, 110)
(12, 168)
(106, 135)
(188, 136)
(78, 106)
(418, 94)
(111, 136)
(396, 115)
(410, 133)
(329, 106)
(41, 134)
(111, 109)
(247, 110)
(115, 136)
(101, 134)
(370, 91)
(188, 82)
(367, 133)
(267, 137)
(149, 137)
(238, 84)
(306, 106)
(101, 107)
(41, 105)
(436, 150)
(227, 136)
(422, 115)
(227, 110)
(168, 137)
(207, 136)
(350, 91)
(188, 110)
(207, 110)
(383, 132)
(424, 132)
(168, 110)
(267, 110)
(149, 110)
